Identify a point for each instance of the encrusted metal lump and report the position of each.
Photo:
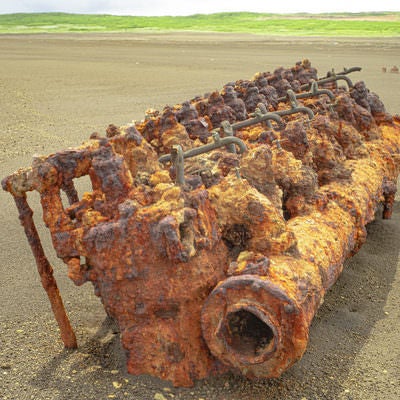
(215, 227)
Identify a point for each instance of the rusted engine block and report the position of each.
(215, 227)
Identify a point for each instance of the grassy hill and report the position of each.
(360, 24)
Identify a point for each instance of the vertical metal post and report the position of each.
(46, 272)
(178, 162)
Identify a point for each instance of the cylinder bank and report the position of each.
(213, 228)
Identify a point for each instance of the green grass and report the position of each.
(383, 24)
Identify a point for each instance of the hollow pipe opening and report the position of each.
(249, 334)
(254, 325)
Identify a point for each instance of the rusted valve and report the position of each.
(212, 259)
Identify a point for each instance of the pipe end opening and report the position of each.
(248, 334)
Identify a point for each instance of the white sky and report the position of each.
(187, 7)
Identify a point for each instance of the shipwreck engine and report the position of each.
(215, 227)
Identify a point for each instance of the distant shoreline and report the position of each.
(374, 24)
(230, 38)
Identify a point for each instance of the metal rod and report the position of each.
(228, 131)
(294, 106)
(304, 110)
(294, 109)
(330, 79)
(257, 118)
(291, 96)
(345, 71)
(218, 142)
(315, 91)
(177, 159)
(46, 272)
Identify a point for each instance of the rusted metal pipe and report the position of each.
(258, 322)
(45, 270)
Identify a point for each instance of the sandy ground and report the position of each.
(55, 91)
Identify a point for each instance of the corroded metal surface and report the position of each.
(215, 227)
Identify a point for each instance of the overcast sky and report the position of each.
(187, 7)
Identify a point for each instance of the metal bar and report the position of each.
(345, 71)
(263, 109)
(304, 110)
(315, 91)
(177, 160)
(46, 272)
(218, 142)
(228, 132)
(330, 79)
(294, 109)
(257, 118)
(69, 188)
